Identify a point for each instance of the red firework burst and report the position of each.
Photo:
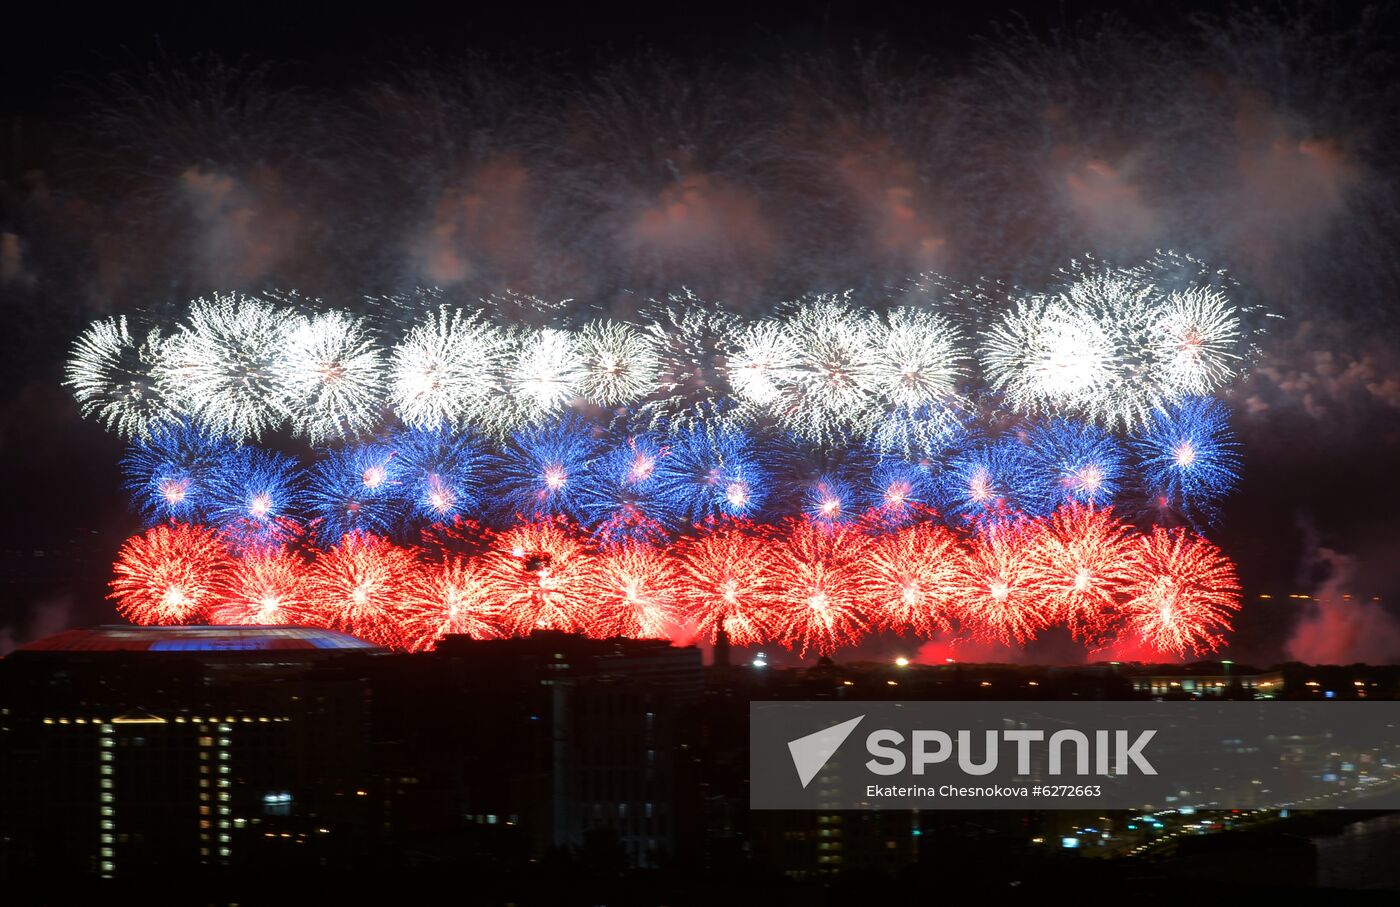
(727, 584)
(263, 587)
(908, 579)
(540, 571)
(633, 588)
(170, 575)
(1080, 565)
(817, 586)
(995, 587)
(1181, 593)
(455, 596)
(358, 586)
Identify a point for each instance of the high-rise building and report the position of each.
(128, 749)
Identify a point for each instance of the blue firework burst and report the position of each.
(900, 491)
(169, 473)
(715, 473)
(1077, 463)
(443, 473)
(256, 496)
(625, 494)
(991, 482)
(543, 469)
(357, 489)
(1189, 457)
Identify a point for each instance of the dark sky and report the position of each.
(144, 162)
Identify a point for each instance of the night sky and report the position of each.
(855, 145)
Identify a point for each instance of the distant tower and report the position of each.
(721, 658)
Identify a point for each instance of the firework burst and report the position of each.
(358, 586)
(1180, 593)
(693, 342)
(443, 472)
(620, 363)
(171, 575)
(995, 586)
(110, 374)
(541, 573)
(833, 391)
(633, 592)
(331, 373)
(908, 579)
(265, 586)
(357, 489)
(171, 472)
(1189, 456)
(1080, 558)
(446, 372)
(817, 594)
(454, 597)
(223, 366)
(727, 584)
(1193, 338)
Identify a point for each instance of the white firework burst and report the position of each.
(446, 371)
(1048, 354)
(694, 341)
(834, 390)
(619, 361)
(764, 362)
(1193, 337)
(110, 374)
(221, 366)
(919, 362)
(333, 377)
(545, 373)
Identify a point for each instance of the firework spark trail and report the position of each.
(265, 586)
(358, 586)
(452, 597)
(1081, 561)
(109, 371)
(541, 572)
(1181, 593)
(223, 365)
(817, 598)
(727, 583)
(908, 582)
(170, 575)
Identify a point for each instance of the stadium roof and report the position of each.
(197, 639)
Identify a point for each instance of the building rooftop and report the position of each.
(123, 638)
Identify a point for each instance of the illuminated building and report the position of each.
(128, 749)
